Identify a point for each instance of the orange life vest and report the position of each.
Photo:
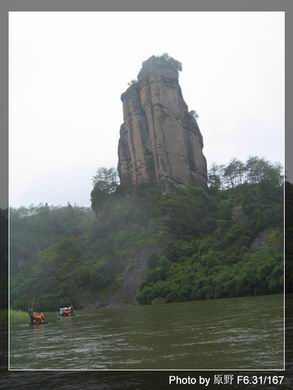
(38, 316)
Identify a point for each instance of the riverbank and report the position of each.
(16, 315)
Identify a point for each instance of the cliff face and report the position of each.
(160, 141)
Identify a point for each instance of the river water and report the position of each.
(234, 333)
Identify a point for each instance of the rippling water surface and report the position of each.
(231, 333)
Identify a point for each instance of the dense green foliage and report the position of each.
(228, 240)
(216, 258)
(35, 228)
(69, 255)
(220, 242)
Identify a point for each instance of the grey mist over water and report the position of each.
(235, 333)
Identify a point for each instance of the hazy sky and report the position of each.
(67, 71)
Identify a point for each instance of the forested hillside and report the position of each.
(224, 241)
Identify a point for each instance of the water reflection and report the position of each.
(38, 329)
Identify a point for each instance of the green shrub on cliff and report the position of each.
(164, 61)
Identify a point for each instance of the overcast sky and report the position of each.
(67, 71)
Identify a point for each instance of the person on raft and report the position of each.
(66, 311)
(37, 318)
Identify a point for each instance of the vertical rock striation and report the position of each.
(160, 141)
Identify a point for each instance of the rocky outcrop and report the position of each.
(133, 276)
(261, 240)
(160, 141)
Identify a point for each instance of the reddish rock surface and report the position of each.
(160, 141)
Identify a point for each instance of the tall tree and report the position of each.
(105, 182)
